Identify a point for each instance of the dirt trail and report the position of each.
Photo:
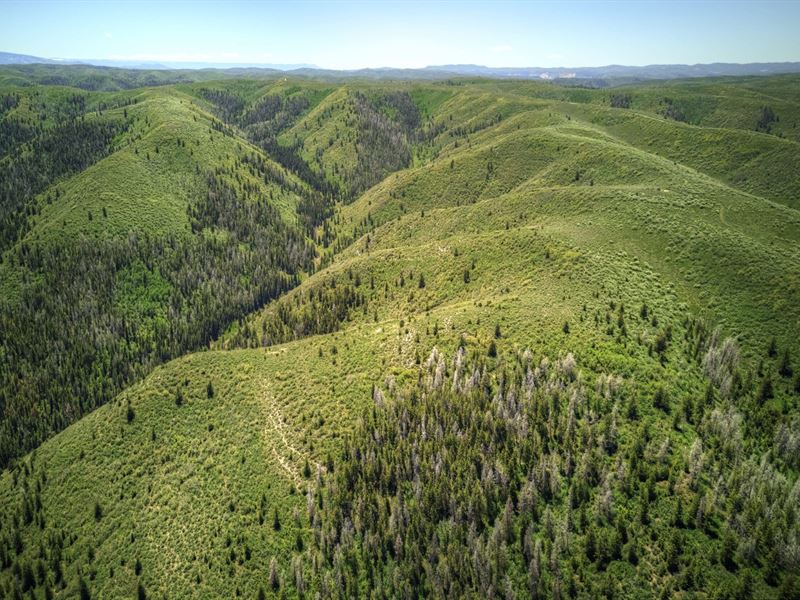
(285, 454)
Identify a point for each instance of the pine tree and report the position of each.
(765, 391)
(591, 544)
(772, 349)
(660, 399)
(83, 590)
(728, 552)
(785, 368)
(274, 578)
(789, 589)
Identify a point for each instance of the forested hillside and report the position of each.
(134, 230)
(466, 338)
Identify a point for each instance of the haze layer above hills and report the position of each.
(597, 75)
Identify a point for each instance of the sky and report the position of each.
(356, 34)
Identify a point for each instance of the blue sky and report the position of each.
(348, 34)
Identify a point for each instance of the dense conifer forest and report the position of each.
(521, 479)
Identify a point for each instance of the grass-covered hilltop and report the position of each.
(271, 336)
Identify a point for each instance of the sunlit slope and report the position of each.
(326, 137)
(178, 468)
(750, 161)
(187, 492)
(158, 170)
(522, 222)
(170, 228)
(725, 102)
(731, 255)
(184, 470)
(726, 145)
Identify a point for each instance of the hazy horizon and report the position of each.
(356, 35)
(122, 63)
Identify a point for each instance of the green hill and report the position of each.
(519, 343)
(145, 250)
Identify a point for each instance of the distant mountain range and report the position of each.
(444, 71)
(617, 71)
(9, 58)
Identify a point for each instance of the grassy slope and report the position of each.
(732, 255)
(147, 184)
(547, 249)
(279, 405)
(166, 481)
(318, 132)
(155, 178)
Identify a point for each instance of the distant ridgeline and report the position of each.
(99, 75)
